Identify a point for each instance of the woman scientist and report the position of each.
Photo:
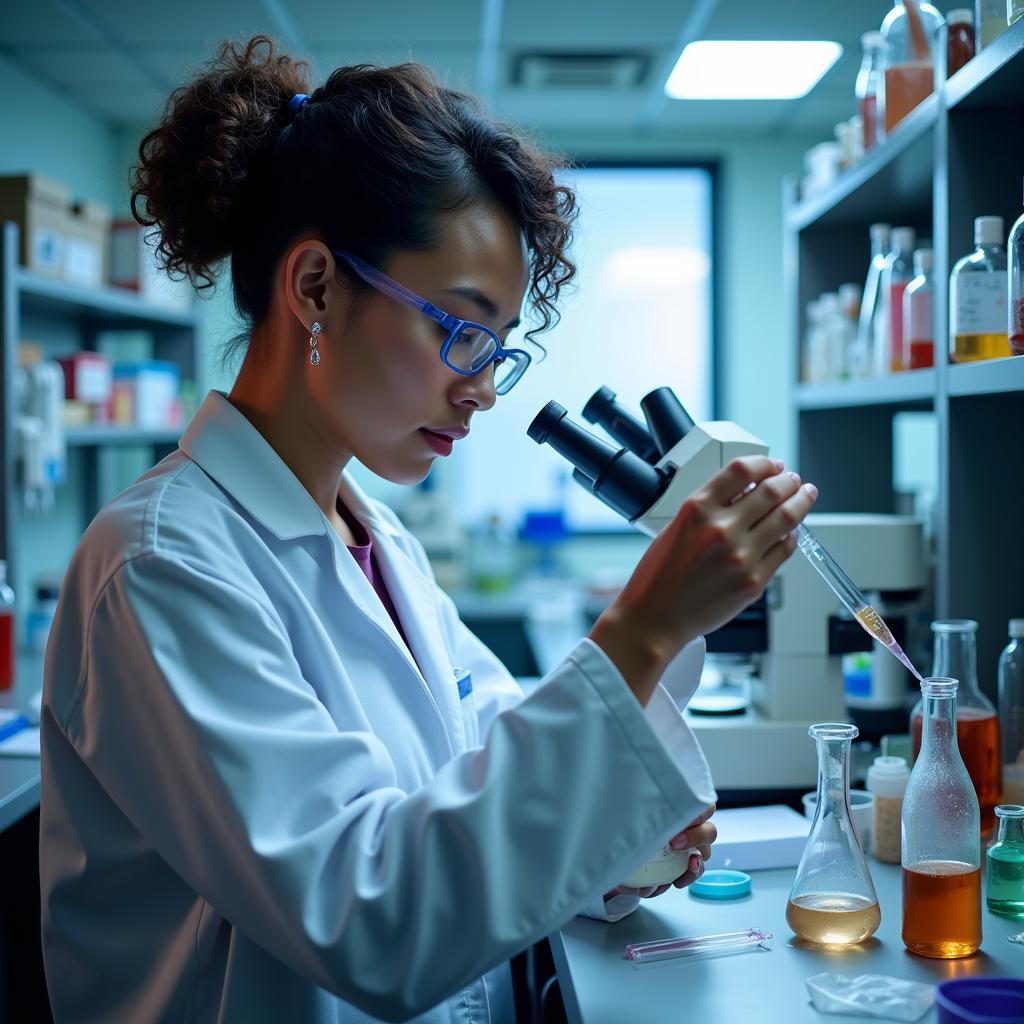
(282, 782)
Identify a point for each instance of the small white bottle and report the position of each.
(1011, 713)
(887, 778)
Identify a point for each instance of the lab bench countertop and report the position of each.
(600, 986)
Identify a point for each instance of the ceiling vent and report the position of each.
(580, 70)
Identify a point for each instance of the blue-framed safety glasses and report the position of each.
(468, 348)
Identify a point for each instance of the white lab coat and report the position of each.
(259, 806)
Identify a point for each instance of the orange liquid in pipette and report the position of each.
(875, 625)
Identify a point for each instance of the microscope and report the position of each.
(798, 630)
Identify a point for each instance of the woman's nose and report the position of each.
(476, 391)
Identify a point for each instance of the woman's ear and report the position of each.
(308, 272)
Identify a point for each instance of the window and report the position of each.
(641, 318)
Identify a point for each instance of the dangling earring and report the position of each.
(314, 355)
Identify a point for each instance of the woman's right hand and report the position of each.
(713, 559)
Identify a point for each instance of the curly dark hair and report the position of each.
(368, 163)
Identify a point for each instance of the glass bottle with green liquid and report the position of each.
(1004, 885)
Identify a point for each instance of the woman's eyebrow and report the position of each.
(489, 307)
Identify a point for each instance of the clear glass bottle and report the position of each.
(977, 725)
(1014, 9)
(941, 855)
(918, 336)
(833, 899)
(871, 324)
(989, 21)
(899, 269)
(1004, 877)
(869, 85)
(977, 297)
(1011, 713)
(960, 39)
(909, 34)
(1015, 275)
(7, 644)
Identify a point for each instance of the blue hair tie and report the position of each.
(296, 103)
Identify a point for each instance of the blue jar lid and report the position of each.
(721, 884)
(980, 1001)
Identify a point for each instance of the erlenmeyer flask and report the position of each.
(977, 726)
(941, 838)
(833, 900)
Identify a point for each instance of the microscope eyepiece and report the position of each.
(603, 410)
(668, 421)
(620, 478)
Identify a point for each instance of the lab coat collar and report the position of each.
(238, 457)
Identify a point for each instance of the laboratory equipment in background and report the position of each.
(910, 31)
(977, 297)
(1004, 879)
(896, 275)
(8, 646)
(39, 620)
(887, 778)
(1015, 275)
(959, 39)
(88, 386)
(493, 557)
(147, 395)
(831, 334)
(989, 21)
(869, 85)
(918, 299)
(833, 900)
(1011, 713)
(941, 837)
(871, 334)
(425, 510)
(798, 634)
(956, 657)
(821, 167)
(39, 428)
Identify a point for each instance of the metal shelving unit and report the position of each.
(64, 317)
(957, 156)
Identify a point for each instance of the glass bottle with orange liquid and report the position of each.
(977, 725)
(910, 32)
(941, 841)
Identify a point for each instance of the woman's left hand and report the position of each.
(700, 833)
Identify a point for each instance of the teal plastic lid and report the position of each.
(721, 884)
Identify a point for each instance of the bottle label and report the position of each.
(979, 306)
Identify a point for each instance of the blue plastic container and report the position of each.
(980, 1001)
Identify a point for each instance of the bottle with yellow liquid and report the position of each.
(833, 900)
(977, 297)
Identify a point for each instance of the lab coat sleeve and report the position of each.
(193, 714)
(664, 715)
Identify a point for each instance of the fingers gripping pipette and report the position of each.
(662, 463)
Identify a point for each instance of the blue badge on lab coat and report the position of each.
(464, 681)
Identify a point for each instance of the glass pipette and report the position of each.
(697, 946)
(843, 587)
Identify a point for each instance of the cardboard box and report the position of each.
(87, 377)
(39, 206)
(133, 265)
(86, 260)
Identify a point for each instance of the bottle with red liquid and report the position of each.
(896, 276)
(918, 336)
(941, 841)
(1016, 287)
(960, 39)
(977, 724)
(7, 645)
(869, 85)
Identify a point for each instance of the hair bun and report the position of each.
(213, 144)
